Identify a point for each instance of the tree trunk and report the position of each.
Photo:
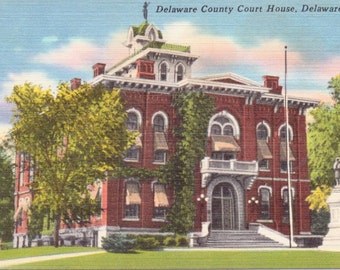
(56, 231)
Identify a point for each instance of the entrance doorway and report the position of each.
(223, 207)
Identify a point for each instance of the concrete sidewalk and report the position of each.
(13, 262)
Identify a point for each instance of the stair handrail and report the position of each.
(270, 233)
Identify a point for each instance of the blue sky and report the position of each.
(45, 42)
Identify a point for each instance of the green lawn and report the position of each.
(196, 260)
(38, 251)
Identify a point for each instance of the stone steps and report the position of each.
(240, 239)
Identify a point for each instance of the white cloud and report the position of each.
(35, 77)
(80, 54)
(224, 53)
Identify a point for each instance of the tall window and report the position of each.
(132, 200)
(179, 73)
(161, 202)
(285, 206)
(132, 121)
(222, 131)
(283, 133)
(158, 123)
(262, 132)
(283, 149)
(265, 203)
(263, 152)
(285, 203)
(163, 71)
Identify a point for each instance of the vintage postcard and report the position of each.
(169, 134)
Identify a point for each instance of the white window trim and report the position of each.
(165, 117)
(267, 126)
(290, 131)
(234, 123)
(139, 115)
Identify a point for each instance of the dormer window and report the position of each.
(179, 73)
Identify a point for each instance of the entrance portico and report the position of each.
(226, 182)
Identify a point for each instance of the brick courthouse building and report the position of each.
(241, 181)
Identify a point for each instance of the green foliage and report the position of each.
(74, 138)
(320, 220)
(147, 243)
(182, 241)
(317, 198)
(194, 110)
(334, 84)
(323, 144)
(118, 243)
(170, 241)
(6, 196)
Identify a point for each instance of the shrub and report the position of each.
(170, 241)
(118, 243)
(182, 241)
(147, 243)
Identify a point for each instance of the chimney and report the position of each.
(98, 69)
(272, 82)
(75, 83)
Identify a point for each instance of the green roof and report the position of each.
(156, 45)
(140, 30)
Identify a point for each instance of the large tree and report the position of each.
(323, 147)
(74, 138)
(6, 196)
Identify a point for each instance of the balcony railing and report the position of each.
(248, 169)
(233, 166)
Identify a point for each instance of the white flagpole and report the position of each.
(290, 204)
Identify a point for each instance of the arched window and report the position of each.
(132, 121)
(179, 73)
(228, 123)
(262, 132)
(283, 133)
(163, 72)
(159, 123)
(216, 130)
(222, 129)
(228, 130)
(264, 154)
